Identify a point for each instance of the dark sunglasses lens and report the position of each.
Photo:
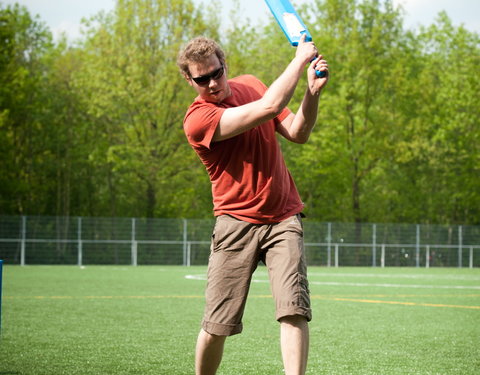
(202, 80)
(218, 73)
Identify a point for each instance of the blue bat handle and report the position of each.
(318, 72)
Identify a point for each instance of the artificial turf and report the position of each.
(144, 320)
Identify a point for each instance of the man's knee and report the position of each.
(294, 320)
(210, 339)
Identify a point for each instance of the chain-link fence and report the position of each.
(140, 241)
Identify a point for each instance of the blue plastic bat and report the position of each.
(291, 23)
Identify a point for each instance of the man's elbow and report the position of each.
(272, 108)
(302, 134)
(299, 138)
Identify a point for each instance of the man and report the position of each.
(232, 126)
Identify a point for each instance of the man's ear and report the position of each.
(187, 78)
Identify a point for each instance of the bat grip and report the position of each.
(319, 73)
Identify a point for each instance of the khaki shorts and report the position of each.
(237, 248)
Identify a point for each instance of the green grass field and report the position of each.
(144, 320)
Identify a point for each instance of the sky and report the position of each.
(65, 15)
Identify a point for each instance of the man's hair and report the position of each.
(198, 50)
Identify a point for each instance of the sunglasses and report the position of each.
(205, 80)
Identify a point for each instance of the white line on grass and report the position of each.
(203, 277)
(397, 276)
(413, 286)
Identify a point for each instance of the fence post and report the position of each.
(336, 255)
(329, 244)
(470, 260)
(460, 244)
(417, 248)
(189, 252)
(186, 245)
(427, 257)
(374, 246)
(134, 244)
(23, 243)
(382, 257)
(79, 241)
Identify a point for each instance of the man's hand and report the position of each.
(306, 51)
(315, 84)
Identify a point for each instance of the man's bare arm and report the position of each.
(297, 128)
(237, 120)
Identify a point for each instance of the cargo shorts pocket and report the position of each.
(303, 293)
(230, 234)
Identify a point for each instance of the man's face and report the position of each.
(209, 79)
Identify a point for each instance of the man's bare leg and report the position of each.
(294, 340)
(209, 353)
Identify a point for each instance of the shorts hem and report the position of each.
(301, 311)
(222, 329)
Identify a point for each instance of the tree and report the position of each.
(95, 128)
(24, 48)
(362, 42)
(437, 161)
(136, 98)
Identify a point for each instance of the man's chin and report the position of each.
(216, 97)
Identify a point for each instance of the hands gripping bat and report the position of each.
(291, 24)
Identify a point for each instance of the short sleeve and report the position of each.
(200, 123)
(283, 115)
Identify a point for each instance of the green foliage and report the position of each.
(136, 99)
(95, 127)
(24, 46)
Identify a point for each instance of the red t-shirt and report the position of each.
(250, 180)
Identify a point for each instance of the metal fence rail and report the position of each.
(138, 241)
